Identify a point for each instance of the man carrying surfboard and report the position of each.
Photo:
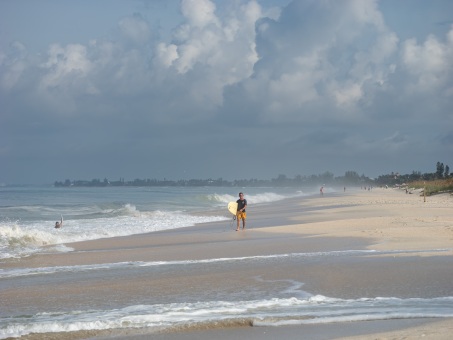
(240, 214)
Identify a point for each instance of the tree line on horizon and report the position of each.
(326, 178)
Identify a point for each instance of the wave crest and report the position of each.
(16, 241)
(266, 197)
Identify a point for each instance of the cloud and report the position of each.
(135, 29)
(65, 62)
(447, 139)
(332, 57)
(14, 65)
(166, 54)
(310, 78)
(209, 52)
(430, 63)
(334, 62)
(341, 57)
(199, 13)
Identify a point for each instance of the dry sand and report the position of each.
(388, 218)
(381, 219)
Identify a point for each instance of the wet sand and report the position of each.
(415, 236)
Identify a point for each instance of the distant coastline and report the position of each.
(350, 178)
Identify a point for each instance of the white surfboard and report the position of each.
(233, 208)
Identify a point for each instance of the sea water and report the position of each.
(266, 303)
(27, 219)
(28, 214)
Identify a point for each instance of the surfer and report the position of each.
(59, 224)
(242, 204)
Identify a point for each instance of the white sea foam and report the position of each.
(21, 239)
(9, 273)
(256, 198)
(266, 312)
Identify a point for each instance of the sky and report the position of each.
(238, 89)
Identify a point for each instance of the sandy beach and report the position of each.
(413, 238)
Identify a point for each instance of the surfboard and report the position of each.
(233, 208)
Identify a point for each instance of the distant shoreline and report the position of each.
(279, 182)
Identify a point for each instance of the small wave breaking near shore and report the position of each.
(215, 314)
(21, 239)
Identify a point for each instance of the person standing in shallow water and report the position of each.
(241, 214)
(59, 224)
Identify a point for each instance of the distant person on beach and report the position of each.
(321, 191)
(59, 224)
(241, 215)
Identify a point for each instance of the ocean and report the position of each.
(27, 219)
(28, 214)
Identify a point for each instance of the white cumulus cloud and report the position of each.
(429, 62)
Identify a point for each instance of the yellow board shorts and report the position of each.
(241, 215)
